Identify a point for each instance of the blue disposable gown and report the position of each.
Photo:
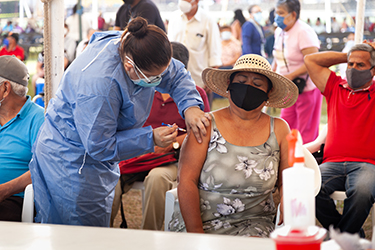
(95, 121)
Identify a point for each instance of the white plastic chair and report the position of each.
(341, 195)
(37, 97)
(28, 205)
(170, 199)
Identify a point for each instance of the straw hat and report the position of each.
(283, 94)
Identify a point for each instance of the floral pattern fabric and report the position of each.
(235, 188)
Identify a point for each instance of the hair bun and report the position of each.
(138, 27)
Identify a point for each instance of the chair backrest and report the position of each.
(311, 163)
(28, 205)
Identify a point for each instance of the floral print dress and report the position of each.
(235, 188)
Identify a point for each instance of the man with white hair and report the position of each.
(20, 120)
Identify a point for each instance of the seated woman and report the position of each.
(225, 183)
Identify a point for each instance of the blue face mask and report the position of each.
(144, 83)
(258, 17)
(6, 42)
(279, 20)
(151, 81)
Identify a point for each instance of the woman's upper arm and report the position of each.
(282, 130)
(192, 157)
(309, 50)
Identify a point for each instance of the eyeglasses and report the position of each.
(151, 79)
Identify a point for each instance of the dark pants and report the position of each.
(357, 180)
(11, 209)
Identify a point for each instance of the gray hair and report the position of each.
(18, 89)
(290, 5)
(364, 47)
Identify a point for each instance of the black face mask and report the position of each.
(246, 96)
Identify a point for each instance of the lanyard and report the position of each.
(286, 63)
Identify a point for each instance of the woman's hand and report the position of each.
(197, 121)
(164, 135)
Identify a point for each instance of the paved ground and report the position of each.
(132, 208)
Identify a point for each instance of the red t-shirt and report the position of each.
(351, 122)
(18, 52)
(167, 112)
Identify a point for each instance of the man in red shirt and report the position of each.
(349, 158)
(13, 48)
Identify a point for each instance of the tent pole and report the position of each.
(53, 46)
(360, 21)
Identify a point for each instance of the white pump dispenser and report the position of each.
(298, 187)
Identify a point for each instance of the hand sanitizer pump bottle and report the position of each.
(299, 230)
(298, 187)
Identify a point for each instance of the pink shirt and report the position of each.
(299, 37)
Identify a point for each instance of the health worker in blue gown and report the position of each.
(96, 119)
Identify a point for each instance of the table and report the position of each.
(17, 235)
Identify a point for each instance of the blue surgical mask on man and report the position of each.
(258, 17)
(6, 42)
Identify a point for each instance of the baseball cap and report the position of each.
(12, 69)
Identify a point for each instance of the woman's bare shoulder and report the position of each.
(281, 126)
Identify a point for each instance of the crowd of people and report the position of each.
(134, 103)
(346, 25)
